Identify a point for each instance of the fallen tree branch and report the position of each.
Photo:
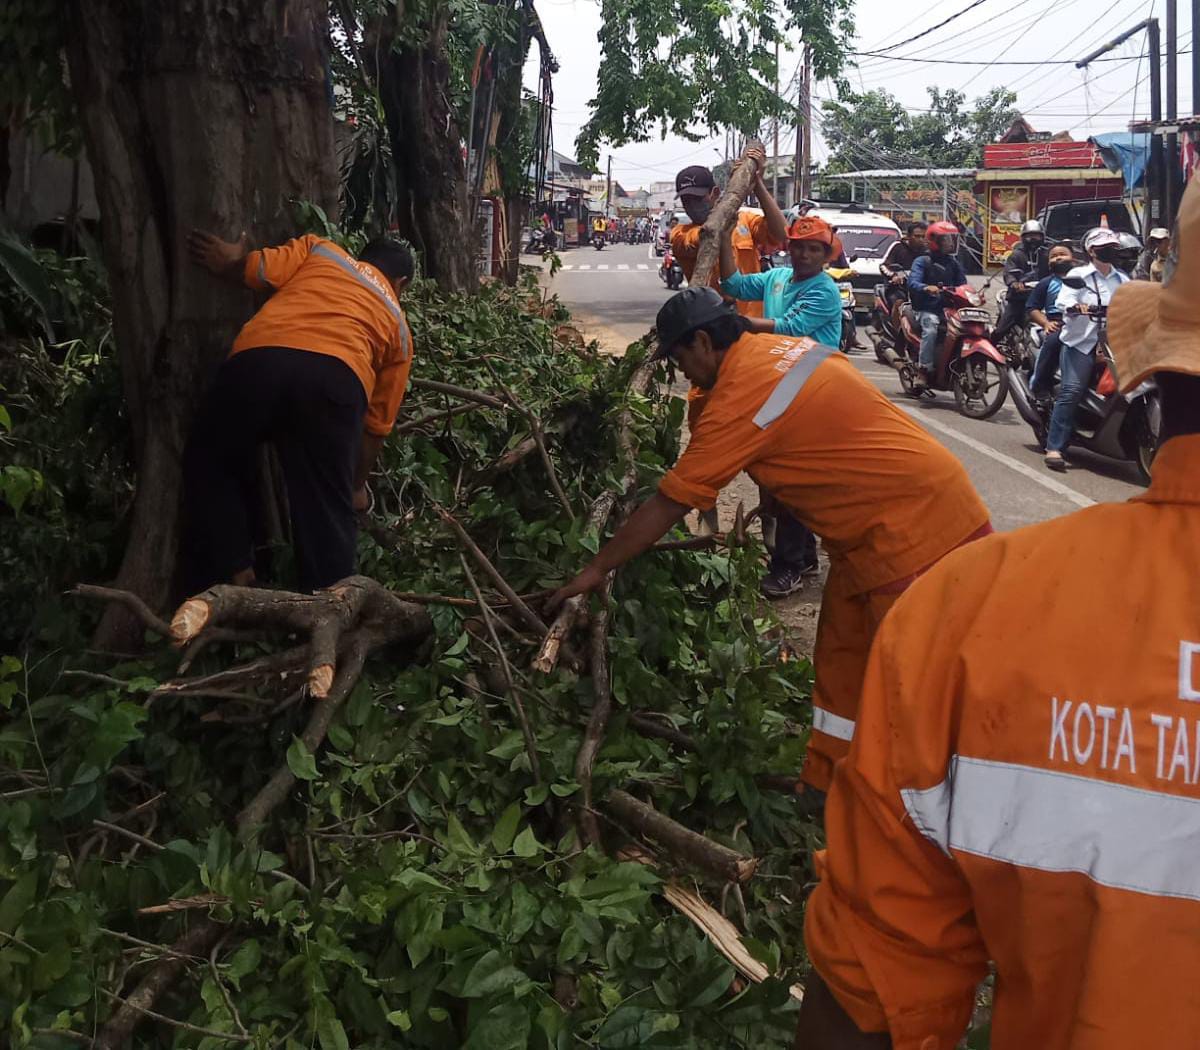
(648, 726)
(721, 219)
(682, 843)
(434, 417)
(572, 609)
(131, 601)
(530, 618)
(722, 934)
(118, 1029)
(593, 736)
(535, 767)
(211, 1033)
(460, 392)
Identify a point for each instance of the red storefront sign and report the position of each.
(1041, 155)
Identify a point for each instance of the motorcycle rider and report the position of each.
(1080, 334)
(929, 275)
(1158, 246)
(1042, 310)
(898, 261)
(1030, 256)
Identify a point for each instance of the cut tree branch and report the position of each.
(720, 221)
(593, 736)
(663, 730)
(131, 602)
(460, 392)
(684, 845)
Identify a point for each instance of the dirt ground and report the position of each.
(798, 612)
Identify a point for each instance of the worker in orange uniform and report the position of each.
(887, 500)
(1024, 785)
(320, 371)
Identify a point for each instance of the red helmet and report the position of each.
(939, 229)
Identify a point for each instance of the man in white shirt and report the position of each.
(1079, 335)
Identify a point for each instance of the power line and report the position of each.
(944, 22)
(984, 62)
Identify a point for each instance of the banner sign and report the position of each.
(1008, 209)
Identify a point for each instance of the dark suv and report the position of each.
(1068, 221)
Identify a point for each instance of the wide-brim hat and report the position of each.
(1156, 327)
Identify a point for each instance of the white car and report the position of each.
(866, 237)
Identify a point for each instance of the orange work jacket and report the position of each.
(327, 302)
(1024, 787)
(750, 238)
(799, 418)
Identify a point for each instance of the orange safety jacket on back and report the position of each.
(327, 302)
(1024, 787)
(750, 238)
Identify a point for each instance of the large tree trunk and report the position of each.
(431, 176)
(196, 113)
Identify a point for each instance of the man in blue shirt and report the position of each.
(929, 275)
(1042, 309)
(802, 301)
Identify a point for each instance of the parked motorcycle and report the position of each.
(849, 338)
(1119, 426)
(670, 272)
(967, 363)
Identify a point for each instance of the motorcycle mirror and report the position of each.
(1077, 283)
(854, 257)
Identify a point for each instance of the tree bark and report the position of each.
(213, 114)
(721, 220)
(431, 176)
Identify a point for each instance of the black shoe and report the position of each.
(789, 580)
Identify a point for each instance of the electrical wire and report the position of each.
(945, 22)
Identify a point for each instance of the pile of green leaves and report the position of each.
(419, 888)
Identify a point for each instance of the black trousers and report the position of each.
(1012, 315)
(311, 407)
(795, 544)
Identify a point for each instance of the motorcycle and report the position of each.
(670, 272)
(849, 339)
(966, 363)
(598, 241)
(1107, 422)
(884, 331)
(1020, 346)
(541, 242)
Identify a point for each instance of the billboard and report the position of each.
(1008, 208)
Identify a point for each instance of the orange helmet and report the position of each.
(939, 229)
(812, 228)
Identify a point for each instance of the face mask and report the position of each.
(1107, 253)
(700, 211)
(1062, 268)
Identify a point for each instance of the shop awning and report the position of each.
(1126, 153)
(1042, 174)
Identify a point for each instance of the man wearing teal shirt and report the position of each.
(802, 302)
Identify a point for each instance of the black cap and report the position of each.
(696, 181)
(685, 312)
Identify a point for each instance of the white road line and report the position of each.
(643, 266)
(622, 266)
(568, 266)
(1068, 493)
(602, 266)
(586, 266)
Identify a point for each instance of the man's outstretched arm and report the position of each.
(227, 259)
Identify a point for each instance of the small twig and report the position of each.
(514, 600)
(433, 417)
(662, 730)
(162, 949)
(26, 791)
(526, 731)
(130, 600)
(462, 393)
(216, 976)
(133, 836)
(593, 737)
(95, 676)
(65, 1033)
(229, 1037)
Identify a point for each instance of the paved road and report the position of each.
(611, 288)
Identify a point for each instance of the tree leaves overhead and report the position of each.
(873, 130)
(688, 67)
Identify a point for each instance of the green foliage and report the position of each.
(689, 67)
(418, 888)
(873, 130)
(33, 89)
(65, 478)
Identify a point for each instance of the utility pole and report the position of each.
(1154, 179)
(775, 150)
(1195, 57)
(608, 190)
(805, 148)
(1172, 112)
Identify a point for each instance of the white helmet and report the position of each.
(1099, 236)
(1032, 226)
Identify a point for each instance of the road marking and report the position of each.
(568, 266)
(586, 266)
(643, 266)
(1068, 493)
(602, 266)
(623, 266)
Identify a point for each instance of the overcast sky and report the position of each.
(1053, 98)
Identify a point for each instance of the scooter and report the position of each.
(1107, 422)
(967, 363)
(671, 272)
(598, 241)
(541, 242)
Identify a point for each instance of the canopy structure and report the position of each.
(1125, 152)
